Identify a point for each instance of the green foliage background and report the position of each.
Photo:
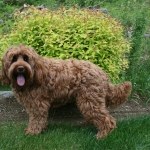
(72, 33)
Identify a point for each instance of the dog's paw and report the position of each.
(100, 136)
(29, 131)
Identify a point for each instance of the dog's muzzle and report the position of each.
(20, 76)
(20, 69)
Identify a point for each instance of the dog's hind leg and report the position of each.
(93, 109)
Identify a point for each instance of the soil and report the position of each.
(11, 110)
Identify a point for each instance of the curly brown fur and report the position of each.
(40, 84)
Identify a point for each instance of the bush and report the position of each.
(73, 33)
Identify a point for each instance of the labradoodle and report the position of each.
(40, 83)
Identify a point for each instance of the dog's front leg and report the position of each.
(38, 115)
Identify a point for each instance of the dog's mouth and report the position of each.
(20, 74)
(21, 80)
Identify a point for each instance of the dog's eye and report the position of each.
(14, 59)
(25, 58)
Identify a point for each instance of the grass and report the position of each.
(139, 72)
(4, 88)
(131, 134)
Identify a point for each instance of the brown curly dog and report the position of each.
(40, 83)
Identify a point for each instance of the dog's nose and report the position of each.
(20, 68)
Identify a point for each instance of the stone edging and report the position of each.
(6, 94)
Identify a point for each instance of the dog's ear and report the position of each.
(40, 72)
(38, 66)
(4, 77)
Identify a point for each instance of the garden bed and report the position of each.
(11, 110)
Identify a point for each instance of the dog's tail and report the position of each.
(118, 94)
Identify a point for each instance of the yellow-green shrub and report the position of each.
(79, 33)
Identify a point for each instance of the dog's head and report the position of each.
(20, 66)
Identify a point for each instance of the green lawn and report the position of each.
(131, 134)
(127, 12)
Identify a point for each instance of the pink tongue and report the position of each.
(20, 80)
